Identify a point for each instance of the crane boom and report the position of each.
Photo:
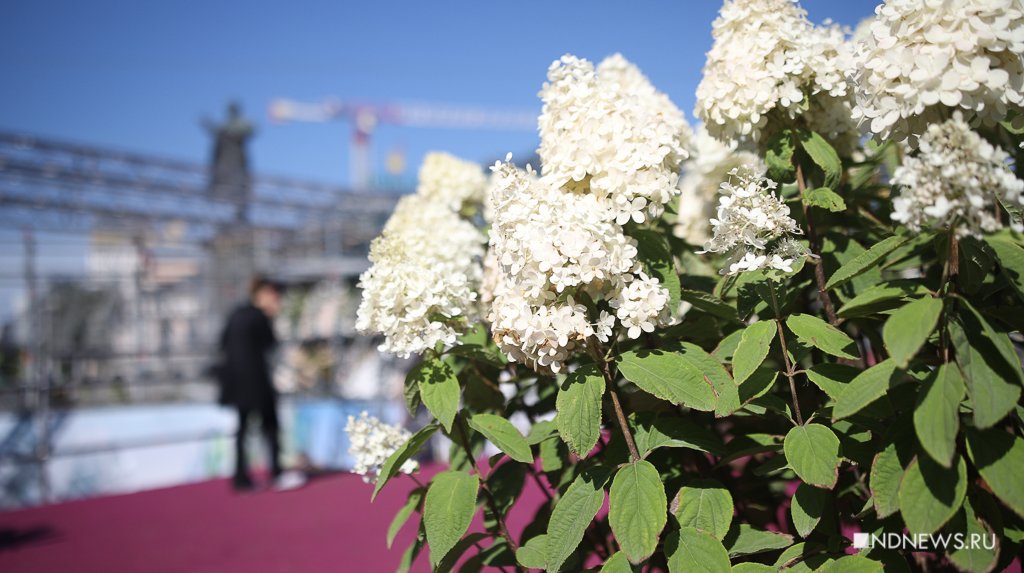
(408, 114)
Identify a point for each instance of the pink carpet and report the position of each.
(330, 525)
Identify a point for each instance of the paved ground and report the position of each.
(329, 525)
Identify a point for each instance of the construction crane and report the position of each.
(365, 117)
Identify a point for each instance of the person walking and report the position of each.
(244, 376)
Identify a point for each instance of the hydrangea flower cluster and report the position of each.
(371, 443)
(420, 289)
(768, 61)
(452, 181)
(923, 58)
(955, 181)
(753, 225)
(703, 174)
(610, 131)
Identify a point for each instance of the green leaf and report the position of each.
(812, 450)
(853, 564)
(447, 510)
(744, 539)
(758, 384)
(705, 505)
(533, 553)
(823, 155)
(724, 388)
(617, 563)
(808, 507)
(504, 435)
(986, 373)
(822, 335)
(753, 349)
(930, 494)
(832, 378)
(825, 198)
(868, 386)
(865, 261)
(411, 503)
(395, 461)
(410, 554)
(881, 296)
(652, 430)
(654, 254)
(884, 481)
(1011, 261)
(969, 522)
(637, 509)
(573, 514)
(936, 417)
(779, 157)
(554, 454)
(456, 553)
(749, 567)
(439, 389)
(541, 431)
(908, 328)
(692, 551)
(709, 303)
(579, 409)
(999, 457)
(669, 376)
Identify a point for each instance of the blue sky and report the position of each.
(140, 75)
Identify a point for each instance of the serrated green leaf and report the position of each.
(825, 198)
(504, 435)
(395, 461)
(411, 503)
(865, 261)
(823, 155)
(753, 348)
(853, 564)
(447, 510)
(880, 297)
(999, 458)
(692, 551)
(554, 454)
(727, 398)
(936, 416)
(832, 378)
(986, 374)
(579, 409)
(816, 332)
(778, 157)
(709, 303)
(884, 481)
(753, 568)
(909, 327)
(930, 494)
(455, 554)
(705, 505)
(439, 389)
(758, 384)
(1011, 261)
(653, 430)
(669, 376)
(533, 553)
(971, 522)
(807, 508)
(812, 451)
(573, 513)
(637, 509)
(617, 563)
(868, 386)
(541, 431)
(744, 539)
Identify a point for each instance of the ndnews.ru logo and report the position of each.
(924, 542)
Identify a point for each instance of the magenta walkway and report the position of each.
(329, 525)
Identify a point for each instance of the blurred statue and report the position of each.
(229, 173)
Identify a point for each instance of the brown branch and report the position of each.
(815, 244)
(790, 372)
(609, 379)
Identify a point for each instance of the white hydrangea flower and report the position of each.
(642, 305)
(926, 57)
(955, 181)
(753, 225)
(421, 287)
(703, 174)
(610, 131)
(452, 181)
(769, 61)
(371, 443)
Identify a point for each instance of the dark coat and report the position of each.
(244, 374)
